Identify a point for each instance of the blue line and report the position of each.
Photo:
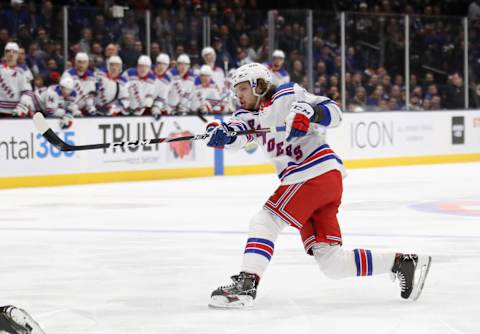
(218, 155)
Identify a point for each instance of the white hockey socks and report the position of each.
(336, 262)
(264, 230)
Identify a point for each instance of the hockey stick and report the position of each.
(52, 138)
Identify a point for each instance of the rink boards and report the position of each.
(363, 140)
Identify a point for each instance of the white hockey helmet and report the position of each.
(12, 46)
(206, 70)
(278, 54)
(81, 56)
(144, 60)
(252, 73)
(183, 59)
(207, 50)
(67, 83)
(163, 58)
(114, 60)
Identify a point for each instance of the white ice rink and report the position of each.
(143, 257)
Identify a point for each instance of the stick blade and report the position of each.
(40, 122)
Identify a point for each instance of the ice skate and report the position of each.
(14, 320)
(241, 293)
(411, 271)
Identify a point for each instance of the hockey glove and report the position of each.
(218, 134)
(298, 121)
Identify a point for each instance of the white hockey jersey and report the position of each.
(218, 76)
(162, 88)
(13, 84)
(279, 77)
(26, 72)
(140, 90)
(51, 101)
(112, 93)
(302, 158)
(181, 91)
(207, 97)
(84, 86)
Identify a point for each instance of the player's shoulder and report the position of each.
(284, 90)
(197, 82)
(283, 72)
(71, 72)
(151, 76)
(131, 72)
(173, 72)
(245, 114)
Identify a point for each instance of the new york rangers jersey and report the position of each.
(26, 72)
(112, 93)
(162, 88)
(302, 158)
(218, 76)
(181, 91)
(279, 77)
(206, 97)
(13, 84)
(84, 85)
(140, 90)
(51, 101)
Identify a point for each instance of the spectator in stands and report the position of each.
(128, 53)
(455, 95)
(374, 99)
(218, 75)
(436, 102)
(245, 45)
(4, 37)
(360, 98)
(154, 50)
(86, 40)
(415, 103)
(372, 84)
(297, 74)
(396, 93)
(279, 73)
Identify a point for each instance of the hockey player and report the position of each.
(162, 86)
(279, 74)
(310, 192)
(22, 64)
(183, 86)
(55, 101)
(141, 86)
(84, 80)
(207, 93)
(218, 74)
(112, 94)
(14, 87)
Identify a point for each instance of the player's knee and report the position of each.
(263, 223)
(329, 259)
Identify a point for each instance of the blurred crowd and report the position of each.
(375, 69)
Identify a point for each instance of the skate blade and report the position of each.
(420, 282)
(221, 302)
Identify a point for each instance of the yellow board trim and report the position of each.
(368, 163)
(104, 177)
(160, 174)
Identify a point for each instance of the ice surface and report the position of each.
(144, 257)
